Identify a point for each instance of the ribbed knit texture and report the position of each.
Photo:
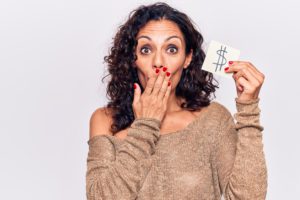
(211, 157)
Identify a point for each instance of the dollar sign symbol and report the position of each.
(221, 60)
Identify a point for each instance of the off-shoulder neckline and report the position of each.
(188, 127)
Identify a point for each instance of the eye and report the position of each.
(145, 50)
(172, 49)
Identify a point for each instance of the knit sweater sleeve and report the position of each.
(239, 157)
(114, 174)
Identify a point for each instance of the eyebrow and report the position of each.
(147, 37)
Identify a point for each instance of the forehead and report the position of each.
(160, 28)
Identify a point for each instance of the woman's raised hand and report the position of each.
(153, 102)
(248, 79)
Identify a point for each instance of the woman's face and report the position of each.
(161, 44)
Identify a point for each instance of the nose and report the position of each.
(161, 66)
(158, 60)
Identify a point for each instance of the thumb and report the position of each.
(137, 93)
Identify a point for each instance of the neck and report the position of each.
(173, 104)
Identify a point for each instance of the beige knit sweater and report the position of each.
(211, 157)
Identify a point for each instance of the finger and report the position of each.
(240, 88)
(150, 84)
(247, 75)
(236, 83)
(247, 63)
(252, 68)
(164, 86)
(167, 94)
(238, 66)
(159, 81)
(244, 83)
(258, 75)
(136, 94)
(234, 67)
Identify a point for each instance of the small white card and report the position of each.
(217, 57)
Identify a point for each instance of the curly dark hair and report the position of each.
(195, 85)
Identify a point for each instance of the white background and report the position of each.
(51, 65)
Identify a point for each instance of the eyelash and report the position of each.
(170, 47)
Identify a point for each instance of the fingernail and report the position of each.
(168, 73)
(157, 70)
(226, 68)
(134, 86)
(165, 69)
(230, 62)
(169, 83)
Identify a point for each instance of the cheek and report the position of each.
(176, 76)
(142, 77)
(142, 61)
(176, 63)
(142, 66)
(138, 62)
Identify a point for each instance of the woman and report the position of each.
(160, 136)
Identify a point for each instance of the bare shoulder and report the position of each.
(100, 122)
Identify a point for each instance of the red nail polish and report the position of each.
(226, 68)
(157, 70)
(165, 69)
(168, 73)
(230, 62)
(134, 86)
(169, 83)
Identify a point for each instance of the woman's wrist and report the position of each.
(247, 106)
